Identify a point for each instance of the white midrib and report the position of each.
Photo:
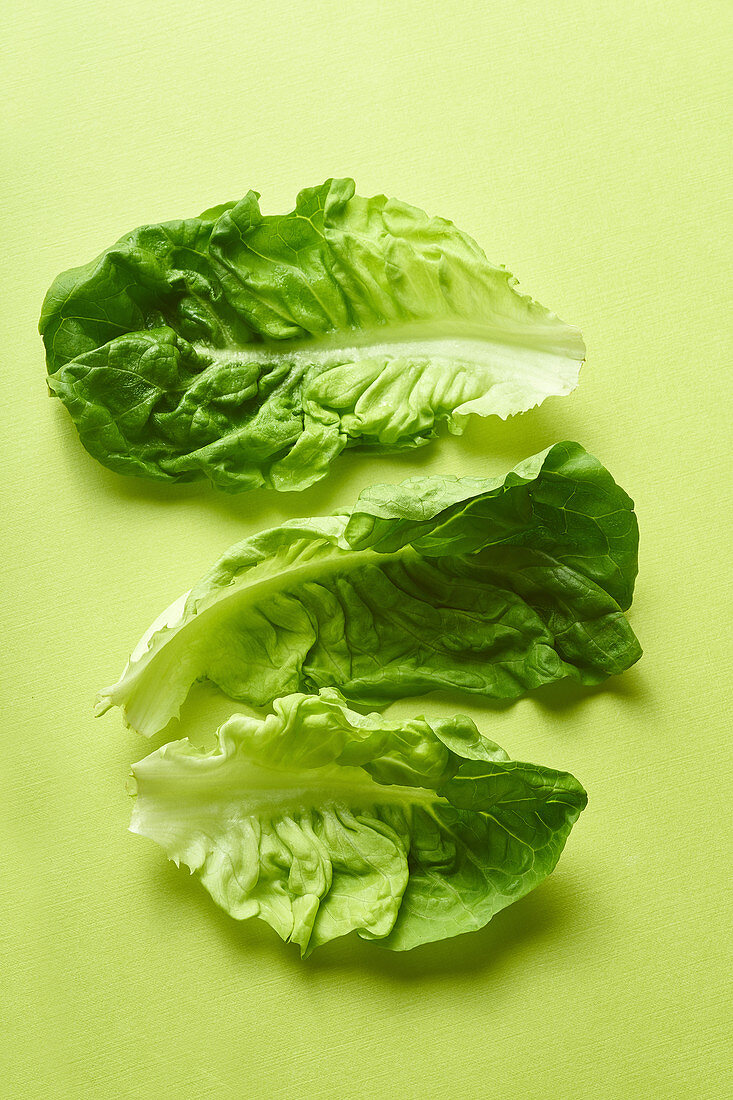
(260, 790)
(472, 345)
(318, 566)
(129, 692)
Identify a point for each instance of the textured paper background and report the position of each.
(584, 146)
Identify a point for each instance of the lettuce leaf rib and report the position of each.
(251, 349)
(492, 586)
(321, 821)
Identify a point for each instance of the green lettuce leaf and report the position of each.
(492, 586)
(251, 349)
(322, 822)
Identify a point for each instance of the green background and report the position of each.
(584, 146)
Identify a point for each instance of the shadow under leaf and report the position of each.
(531, 922)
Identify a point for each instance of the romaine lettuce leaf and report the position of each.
(493, 586)
(322, 822)
(252, 349)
